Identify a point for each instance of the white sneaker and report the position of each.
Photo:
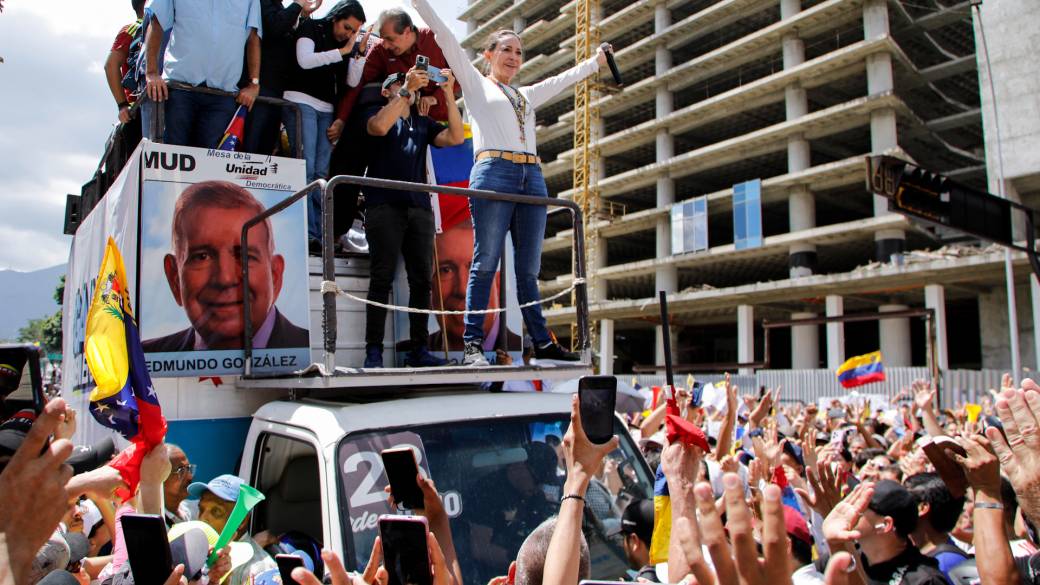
(474, 355)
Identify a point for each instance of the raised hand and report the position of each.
(32, 488)
(839, 525)
(1019, 411)
(826, 487)
(736, 559)
(981, 465)
(582, 455)
(761, 410)
(924, 395)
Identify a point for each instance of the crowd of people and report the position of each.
(358, 101)
(784, 493)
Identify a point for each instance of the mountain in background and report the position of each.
(25, 296)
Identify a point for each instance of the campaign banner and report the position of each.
(115, 216)
(193, 204)
(453, 255)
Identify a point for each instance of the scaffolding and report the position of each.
(586, 118)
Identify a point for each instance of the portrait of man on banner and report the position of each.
(202, 273)
(454, 255)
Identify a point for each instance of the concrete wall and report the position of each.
(1012, 29)
(993, 329)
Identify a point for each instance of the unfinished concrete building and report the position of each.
(744, 124)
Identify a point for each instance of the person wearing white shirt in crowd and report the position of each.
(503, 120)
(326, 58)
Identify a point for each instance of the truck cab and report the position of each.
(495, 459)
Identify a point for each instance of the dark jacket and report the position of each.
(283, 335)
(277, 45)
(910, 567)
(322, 82)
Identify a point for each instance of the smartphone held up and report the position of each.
(405, 552)
(597, 396)
(402, 469)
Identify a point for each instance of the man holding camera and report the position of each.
(400, 43)
(401, 222)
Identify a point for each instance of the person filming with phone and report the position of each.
(503, 118)
(400, 223)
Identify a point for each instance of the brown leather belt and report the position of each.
(513, 157)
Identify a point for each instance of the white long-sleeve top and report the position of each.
(494, 122)
(308, 58)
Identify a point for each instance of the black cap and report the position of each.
(79, 546)
(59, 578)
(638, 519)
(86, 458)
(895, 501)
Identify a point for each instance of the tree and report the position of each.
(46, 330)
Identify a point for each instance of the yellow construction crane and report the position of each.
(586, 117)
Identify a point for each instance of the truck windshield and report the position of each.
(499, 479)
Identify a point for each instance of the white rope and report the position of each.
(330, 286)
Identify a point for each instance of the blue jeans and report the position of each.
(197, 119)
(491, 220)
(316, 150)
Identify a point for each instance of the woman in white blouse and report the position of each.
(326, 59)
(503, 119)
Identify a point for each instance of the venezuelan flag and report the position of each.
(124, 399)
(662, 519)
(862, 369)
(451, 167)
(235, 132)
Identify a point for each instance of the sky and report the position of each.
(56, 112)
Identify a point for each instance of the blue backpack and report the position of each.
(134, 80)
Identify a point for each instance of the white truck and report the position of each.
(310, 439)
(493, 457)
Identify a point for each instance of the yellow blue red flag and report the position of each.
(451, 167)
(235, 133)
(662, 519)
(124, 399)
(862, 369)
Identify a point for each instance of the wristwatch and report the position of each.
(403, 92)
(255, 81)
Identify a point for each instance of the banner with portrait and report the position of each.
(193, 204)
(453, 255)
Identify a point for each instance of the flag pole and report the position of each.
(666, 338)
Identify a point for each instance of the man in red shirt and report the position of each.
(395, 52)
(400, 43)
(116, 66)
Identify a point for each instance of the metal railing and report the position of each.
(328, 188)
(117, 151)
(158, 121)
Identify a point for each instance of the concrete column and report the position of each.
(801, 207)
(805, 344)
(471, 26)
(801, 210)
(606, 347)
(935, 299)
(789, 8)
(519, 22)
(835, 332)
(666, 277)
(895, 338)
(745, 337)
(888, 244)
(659, 346)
